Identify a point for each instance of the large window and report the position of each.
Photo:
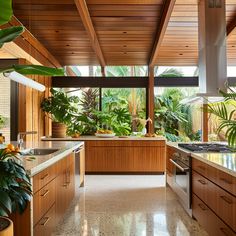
(177, 121)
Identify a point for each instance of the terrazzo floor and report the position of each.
(126, 205)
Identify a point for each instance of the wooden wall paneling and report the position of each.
(31, 117)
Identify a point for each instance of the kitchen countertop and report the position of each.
(42, 162)
(222, 161)
(94, 138)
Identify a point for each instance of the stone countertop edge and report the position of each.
(204, 157)
(94, 138)
(40, 163)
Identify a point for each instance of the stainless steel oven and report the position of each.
(181, 178)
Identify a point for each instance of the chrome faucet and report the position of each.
(20, 138)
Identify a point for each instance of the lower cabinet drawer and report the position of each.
(210, 222)
(220, 201)
(46, 225)
(43, 200)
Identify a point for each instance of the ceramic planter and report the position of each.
(58, 130)
(6, 227)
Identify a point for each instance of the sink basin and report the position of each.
(39, 151)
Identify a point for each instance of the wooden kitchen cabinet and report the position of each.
(206, 217)
(65, 185)
(47, 224)
(53, 191)
(125, 156)
(214, 197)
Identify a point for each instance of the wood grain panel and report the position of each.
(30, 116)
(206, 218)
(125, 156)
(226, 181)
(43, 200)
(46, 225)
(206, 185)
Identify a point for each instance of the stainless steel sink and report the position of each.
(38, 151)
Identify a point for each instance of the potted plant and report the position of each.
(15, 187)
(62, 109)
(226, 112)
(75, 129)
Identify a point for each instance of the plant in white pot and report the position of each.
(15, 187)
(62, 108)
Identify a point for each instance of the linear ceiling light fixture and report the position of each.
(19, 78)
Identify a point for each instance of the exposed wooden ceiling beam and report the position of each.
(231, 26)
(86, 19)
(165, 17)
(28, 43)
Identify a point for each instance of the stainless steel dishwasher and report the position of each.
(79, 178)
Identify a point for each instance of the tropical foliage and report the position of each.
(15, 187)
(11, 33)
(3, 121)
(171, 117)
(226, 112)
(61, 107)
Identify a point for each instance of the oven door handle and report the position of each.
(182, 168)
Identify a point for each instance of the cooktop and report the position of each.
(206, 147)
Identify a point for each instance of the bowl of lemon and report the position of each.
(105, 133)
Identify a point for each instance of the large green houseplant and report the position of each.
(15, 187)
(11, 33)
(62, 108)
(226, 112)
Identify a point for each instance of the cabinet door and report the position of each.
(61, 189)
(206, 218)
(43, 200)
(47, 224)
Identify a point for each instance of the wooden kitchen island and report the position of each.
(122, 155)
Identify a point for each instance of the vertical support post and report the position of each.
(103, 71)
(205, 123)
(151, 99)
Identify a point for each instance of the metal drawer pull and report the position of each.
(44, 176)
(203, 182)
(225, 231)
(45, 193)
(46, 219)
(226, 199)
(226, 181)
(182, 168)
(202, 207)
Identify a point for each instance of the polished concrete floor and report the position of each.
(126, 205)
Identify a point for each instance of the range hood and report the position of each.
(212, 51)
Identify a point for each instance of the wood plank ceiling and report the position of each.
(180, 44)
(126, 30)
